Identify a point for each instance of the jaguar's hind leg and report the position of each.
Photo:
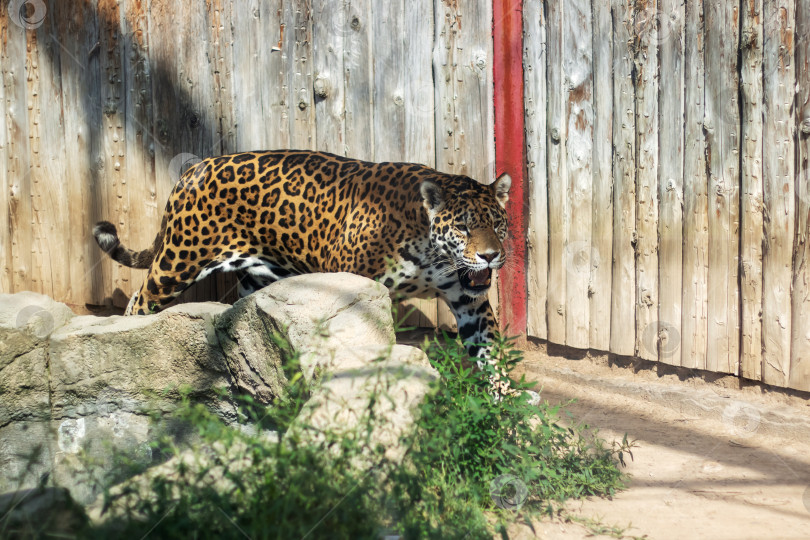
(249, 283)
(156, 292)
(167, 278)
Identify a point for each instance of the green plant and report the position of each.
(465, 447)
(463, 432)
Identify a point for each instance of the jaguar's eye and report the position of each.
(460, 227)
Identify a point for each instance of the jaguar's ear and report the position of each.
(501, 189)
(432, 195)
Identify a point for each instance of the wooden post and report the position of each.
(646, 107)
(578, 125)
(555, 153)
(535, 95)
(751, 183)
(510, 157)
(800, 344)
(623, 304)
(670, 20)
(778, 182)
(599, 291)
(722, 127)
(694, 322)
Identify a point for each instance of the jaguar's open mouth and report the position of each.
(475, 280)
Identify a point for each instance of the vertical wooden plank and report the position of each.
(578, 69)
(113, 180)
(778, 182)
(558, 210)
(534, 96)
(623, 304)
(259, 75)
(144, 208)
(420, 99)
(33, 224)
(184, 100)
(694, 305)
(751, 182)
(297, 57)
(221, 54)
(389, 108)
(15, 62)
(80, 68)
(329, 27)
(463, 72)
(799, 377)
(723, 157)
(388, 84)
(646, 111)
(599, 292)
(670, 178)
(357, 79)
(49, 191)
(6, 281)
(221, 68)
(420, 109)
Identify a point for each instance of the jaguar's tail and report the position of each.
(107, 238)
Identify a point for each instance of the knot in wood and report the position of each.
(322, 87)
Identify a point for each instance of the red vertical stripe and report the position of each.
(510, 156)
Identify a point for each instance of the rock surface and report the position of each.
(78, 388)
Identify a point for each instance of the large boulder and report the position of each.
(76, 390)
(317, 315)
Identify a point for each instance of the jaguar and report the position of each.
(271, 214)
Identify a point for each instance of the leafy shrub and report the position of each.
(465, 446)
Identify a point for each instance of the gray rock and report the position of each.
(75, 390)
(321, 314)
(103, 364)
(26, 321)
(386, 381)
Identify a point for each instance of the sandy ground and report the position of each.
(712, 461)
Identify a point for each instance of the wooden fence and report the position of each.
(106, 101)
(667, 149)
(666, 141)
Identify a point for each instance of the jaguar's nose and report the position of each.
(489, 256)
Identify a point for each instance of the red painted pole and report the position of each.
(507, 32)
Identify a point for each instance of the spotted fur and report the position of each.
(269, 215)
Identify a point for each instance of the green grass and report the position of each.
(472, 465)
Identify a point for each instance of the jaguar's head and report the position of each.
(468, 226)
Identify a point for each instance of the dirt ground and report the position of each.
(712, 460)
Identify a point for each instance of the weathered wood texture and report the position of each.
(722, 126)
(578, 131)
(623, 297)
(778, 182)
(752, 194)
(106, 102)
(534, 98)
(694, 315)
(599, 287)
(646, 112)
(670, 38)
(799, 376)
(558, 209)
(700, 194)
